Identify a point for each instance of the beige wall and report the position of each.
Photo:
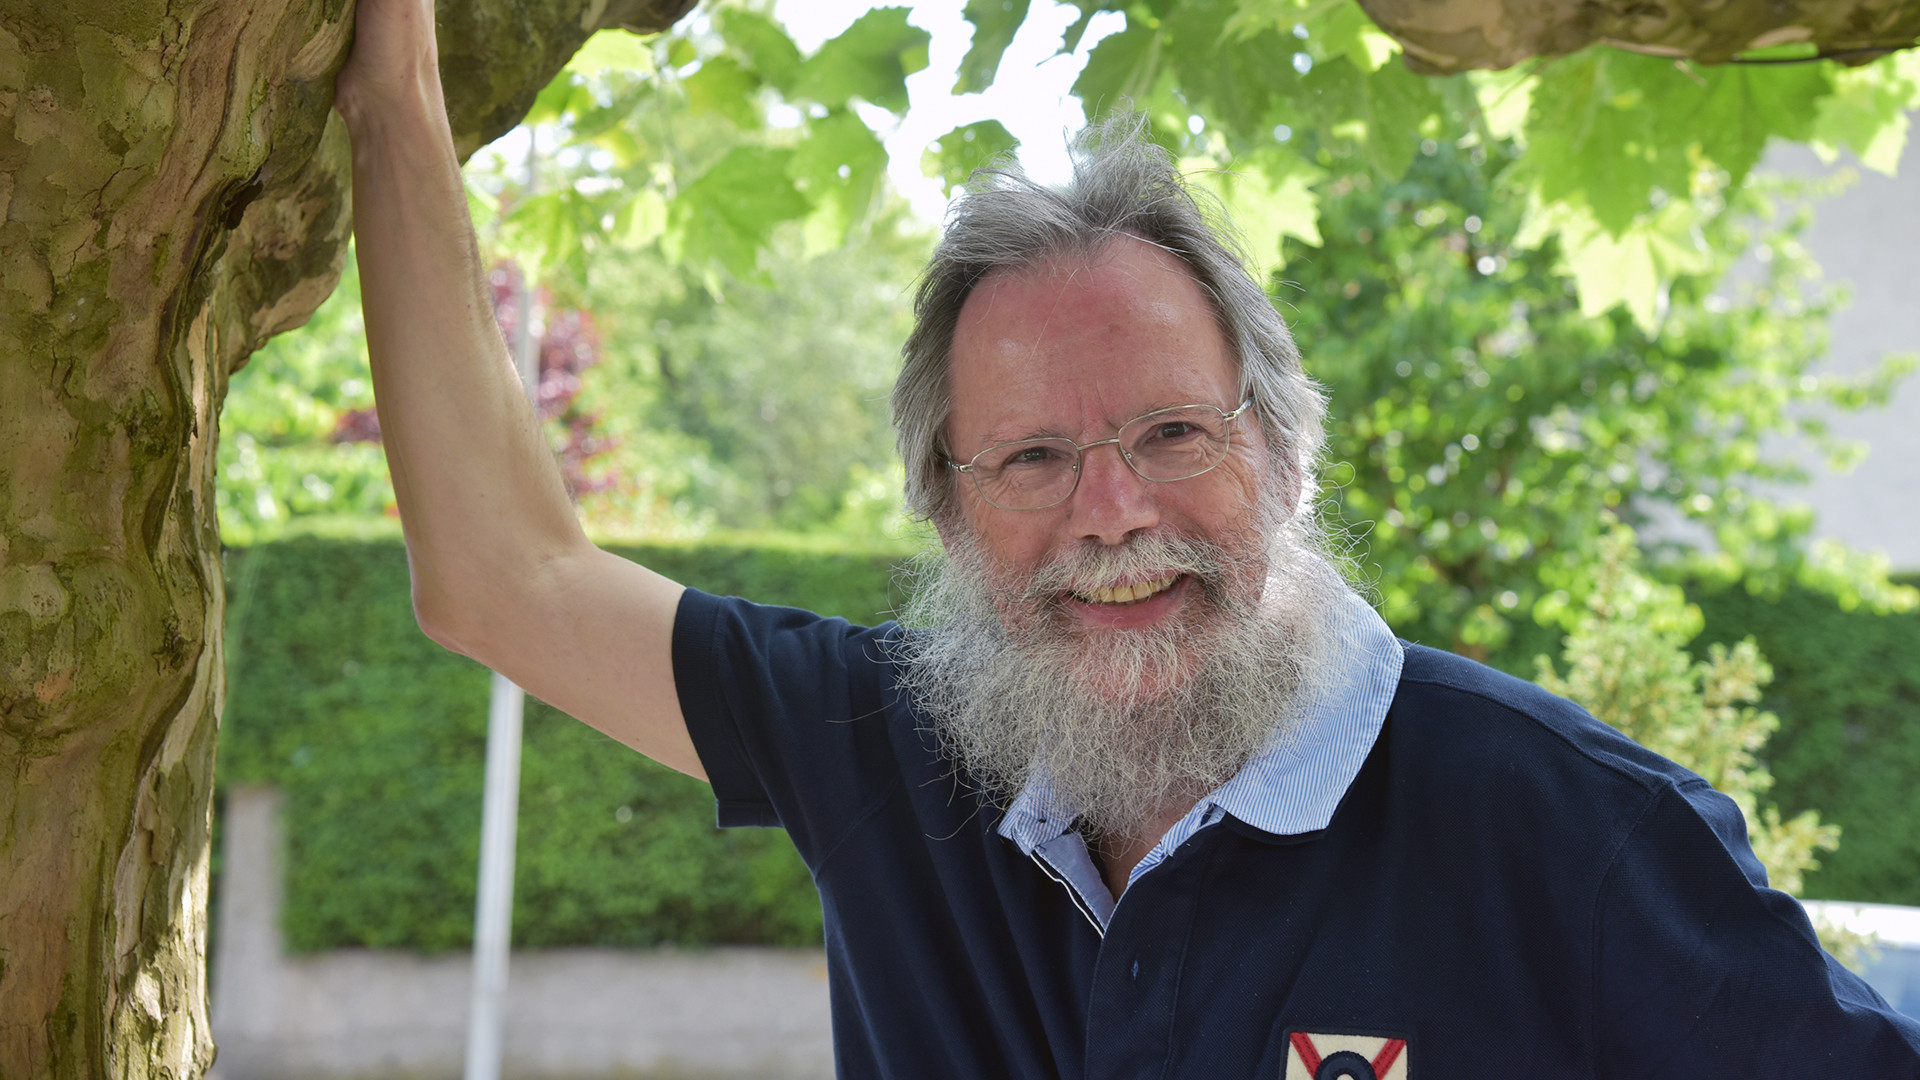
(1868, 239)
(720, 1014)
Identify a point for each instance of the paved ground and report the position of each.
(721, 1014)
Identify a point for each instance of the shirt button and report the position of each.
(1136, 971)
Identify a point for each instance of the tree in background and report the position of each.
(1485, 428)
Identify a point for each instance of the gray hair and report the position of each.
(1123, 185)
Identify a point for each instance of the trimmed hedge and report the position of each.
(377, 738)
(1847, 690)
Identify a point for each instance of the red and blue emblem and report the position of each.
(1336, 1056)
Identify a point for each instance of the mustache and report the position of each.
(1148, 556)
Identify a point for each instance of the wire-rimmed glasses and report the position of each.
(1164, 445)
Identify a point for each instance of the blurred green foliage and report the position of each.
(1626, 155)
(1484, 428)
(377, 738)
(277, 461)
(1847, 690)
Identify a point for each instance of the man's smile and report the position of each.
(1127, 594)
(1128, 606)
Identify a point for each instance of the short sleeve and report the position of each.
(789, 714)
(1704, 971)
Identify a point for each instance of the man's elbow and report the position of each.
(445, 621)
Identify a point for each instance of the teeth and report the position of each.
(1127, 594)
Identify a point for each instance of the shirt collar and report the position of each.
(1295, 784)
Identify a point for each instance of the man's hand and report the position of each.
(395, 61)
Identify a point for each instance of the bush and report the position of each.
(1627, 664)
(1847, 691)
(377, 737)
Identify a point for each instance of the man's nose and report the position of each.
(1111, 501)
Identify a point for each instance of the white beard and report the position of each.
(1128, 725)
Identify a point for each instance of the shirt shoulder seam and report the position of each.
(1650, 782)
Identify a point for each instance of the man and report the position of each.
(1154, 794)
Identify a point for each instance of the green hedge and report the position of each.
(377, 738)
(1847, 690)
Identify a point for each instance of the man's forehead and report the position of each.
(1124, 264)
(1087, 338)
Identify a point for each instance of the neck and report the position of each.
(1119, 854)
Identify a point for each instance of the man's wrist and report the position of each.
(407, 106)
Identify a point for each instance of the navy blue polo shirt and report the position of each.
(1507, 888)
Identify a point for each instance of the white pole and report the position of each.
(493, 914)
(500, 810)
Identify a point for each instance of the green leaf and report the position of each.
(1345, 30)
(1868, 111)
(953, 157)
(994, 24)
(640, 220)
(1739, 109)
(597, 121)
(766, 46)
(1504, 99)
(1236, 79)
(726, 215)
(1631, 268)
(723, 88)
(1070, 41)
(559, 98)
(541, 229)
(1270, 198)
(1591, 141)
(613, 50)
(1121, 69)
(871, 60)
(1389, 106)
(838, 166)
(1608, 127)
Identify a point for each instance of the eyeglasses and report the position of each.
(1161, 446)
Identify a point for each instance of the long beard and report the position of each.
(1129, 726)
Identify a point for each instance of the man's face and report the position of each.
(1076, 347)
(1028, 661)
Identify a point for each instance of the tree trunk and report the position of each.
(1445, 37)
(173, 192)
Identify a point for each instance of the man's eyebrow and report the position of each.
(1008, 433)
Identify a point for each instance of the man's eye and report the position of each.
(1171, 431)
(1031, 457)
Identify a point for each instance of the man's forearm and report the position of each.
(481, 501)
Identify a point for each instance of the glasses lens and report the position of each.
(1173, 444)
(1026, 475)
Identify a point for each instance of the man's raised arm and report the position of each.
(501, 569)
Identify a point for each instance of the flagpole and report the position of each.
(500, 807)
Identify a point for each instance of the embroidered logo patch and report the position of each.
(1312, 1056)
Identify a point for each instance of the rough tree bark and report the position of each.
(1444, 37)
(173, 191)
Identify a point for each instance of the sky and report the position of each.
(1030, 97)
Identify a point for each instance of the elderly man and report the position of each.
(1155, 793)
